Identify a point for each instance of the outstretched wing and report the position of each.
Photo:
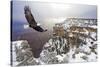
(38, 28)
(31, 20)
(29, 17)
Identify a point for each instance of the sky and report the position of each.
(49, 13)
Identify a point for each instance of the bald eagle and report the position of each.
(30, 19)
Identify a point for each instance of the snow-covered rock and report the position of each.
(55, 52)
(22, 54)
(58, 49)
